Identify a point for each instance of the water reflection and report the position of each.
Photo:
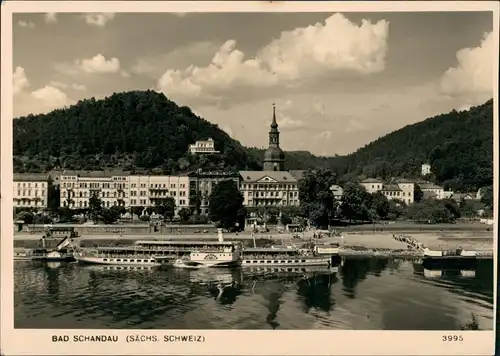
(75, 296)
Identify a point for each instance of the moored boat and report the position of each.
(282, 257)
(449, 258)
(59, 254)
(114, 256)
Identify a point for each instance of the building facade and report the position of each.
(268, 188)
(77, 187)
(206, 182)
(431, 189)
(147, 191)
(426, 169)
(372, 185)
(203, 147)
(407, 190)
(274, 157)
(30, 190)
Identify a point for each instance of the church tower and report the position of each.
(274, 157)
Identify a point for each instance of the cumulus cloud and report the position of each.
(50, 17)
(474, 71)
(99, 19)
(38, 101)
(74, 86)
(27, 24)
(335, 46)
(20, 80)
(99, 64)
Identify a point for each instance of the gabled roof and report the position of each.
(277, 176)
(430, 186)
(403, 180)
(95, 174)
(371, 180)
(391, 188)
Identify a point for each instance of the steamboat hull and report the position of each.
(449, 262)
(118, 261)
(327, 261)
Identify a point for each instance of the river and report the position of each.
(362, 294)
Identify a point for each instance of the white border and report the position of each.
(231, 342)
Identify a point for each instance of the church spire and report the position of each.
(274, 124)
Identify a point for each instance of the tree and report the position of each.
(418, 194)
(184, 214)
(109, 215)
(355, 202)
(487, 196)
(226, 204)
(53, 198)
(316, 198)
(169, 208)
(95, 207)
(468, 209)
(380, 205)
(137, 210)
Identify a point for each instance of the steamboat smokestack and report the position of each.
(219, 234)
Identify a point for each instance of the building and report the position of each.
(149, 191)
(30, 190)
(426, 169)
(432, 188)
(274, 157)
(337, 191)
(407, 190)
(372, 185)
(206, 182)
(458, 197)
(77, 187)
(392, 191)
(203, 147)
(269, 188)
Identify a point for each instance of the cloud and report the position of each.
(474, 71)
(336, 46)
(21, 82)
(125, 74)
(99, 19)
(74, 86)
(51, 97)
(50, 17)
(99, 64)
(27, 24)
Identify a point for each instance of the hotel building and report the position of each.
(30, 190)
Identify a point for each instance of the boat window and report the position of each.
(105, 259)
(283, 261)
(139, 261)
(296, 261)
(124, 260)
(289, 261)
(303, 261)
(247, 261)
(261, 261)
(118, 260)
(275, 261)
(131, 260)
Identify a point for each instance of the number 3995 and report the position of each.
(449, 338)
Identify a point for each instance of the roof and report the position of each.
(95, 174)
(31, 177)
(187, 243)
(268, 249)
(460, 196)
(430, 186)
(278, 176)
(403, 180)
(428, 195)
(391, 187)
(298, 174)
(371, 180)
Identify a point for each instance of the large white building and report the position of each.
(400, 189)
(30, 190)
(432, 190)
(269, 188)
(77, 187)
(203, 147)
(372, 185)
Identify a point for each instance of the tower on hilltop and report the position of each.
(274, 157)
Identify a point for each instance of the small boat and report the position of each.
(59, 254)
(22, 254)
(433, 259)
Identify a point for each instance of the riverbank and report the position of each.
(368, 244)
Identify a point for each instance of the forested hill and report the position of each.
(131, 130)
(458, 145)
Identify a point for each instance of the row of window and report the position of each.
(29, 185)
(275, 261)
(28, 193)
(271, 194)
(85, 194)
(268, 186)
(272, 202)
(144, 202)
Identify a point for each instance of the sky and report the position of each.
(339, 80)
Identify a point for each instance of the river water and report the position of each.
(362, 294)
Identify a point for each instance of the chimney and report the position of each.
(219, 234)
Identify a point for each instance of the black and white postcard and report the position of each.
(257, 178)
